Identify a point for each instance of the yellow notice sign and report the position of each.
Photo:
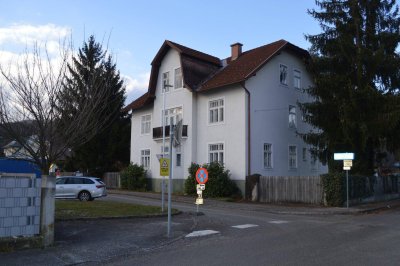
(164, 167)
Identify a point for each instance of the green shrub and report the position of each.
(133, 177)
(219, 183)
(190, 182)
(334, 189)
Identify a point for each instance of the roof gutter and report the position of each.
(248, 129)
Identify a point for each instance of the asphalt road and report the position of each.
(265, 238)
(243, 234)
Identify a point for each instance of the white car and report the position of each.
(83, 188)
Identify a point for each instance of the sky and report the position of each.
(134, 30)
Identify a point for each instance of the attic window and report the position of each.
(178, 78)
(283, 74)
(165, 83)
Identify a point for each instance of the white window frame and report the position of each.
(283, 74)
(212, 154)
(145, 159)
(297, 79)
(292, 116)
(173, 114)
(178, 86)
(269, 154)
(166, 148)
(145, 124)
(214, 113)
(165, 81)
(292, 157)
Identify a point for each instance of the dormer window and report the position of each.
(165, 82)
(178, 78)
(296, 79)
(283, 75)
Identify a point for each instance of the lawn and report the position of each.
(72, 209)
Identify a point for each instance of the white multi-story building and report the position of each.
(241, 111)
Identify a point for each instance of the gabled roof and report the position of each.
(143, 100)
(248, 63)
(203, 72)
(196, 66)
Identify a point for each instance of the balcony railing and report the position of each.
(158, 132)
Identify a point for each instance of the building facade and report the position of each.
(241, 111)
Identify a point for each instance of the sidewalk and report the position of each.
(283, 208)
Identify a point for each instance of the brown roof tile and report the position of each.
(247, 65)
(139, 102)
(203, 72)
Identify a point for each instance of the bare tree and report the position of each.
(32, 104)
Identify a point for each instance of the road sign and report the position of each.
(347, 163)
(343, 156)
(202, 175)
(347, 168)
(199, 201)
(199, 190)
(164, 167)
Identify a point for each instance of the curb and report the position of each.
(118, 217)
(343, 211)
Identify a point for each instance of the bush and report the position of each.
(334, 185)
(133, 177)
(334, 189)
(219, 183)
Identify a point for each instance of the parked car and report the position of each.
(83, 188)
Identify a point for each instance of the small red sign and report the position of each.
(202, 175)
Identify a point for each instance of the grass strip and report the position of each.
(74, 209)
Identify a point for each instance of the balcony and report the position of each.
(158, 132)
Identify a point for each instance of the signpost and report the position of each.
(175, 141)
(347, 159)
(201, 178)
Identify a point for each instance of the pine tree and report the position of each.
(355, 67)
(93, 76)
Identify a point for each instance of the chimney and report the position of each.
(236, 50)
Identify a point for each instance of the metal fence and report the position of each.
(304, 189)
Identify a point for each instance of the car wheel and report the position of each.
(84, 196)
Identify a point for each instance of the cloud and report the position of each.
(21, 34)
(135, 87)
(17, 44)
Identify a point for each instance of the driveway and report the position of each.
(84, 241)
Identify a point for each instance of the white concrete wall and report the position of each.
(269, 118)
(182, 97)
(142, 142)
(232, 132)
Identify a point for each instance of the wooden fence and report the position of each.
(305, 189)
(112, 180)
